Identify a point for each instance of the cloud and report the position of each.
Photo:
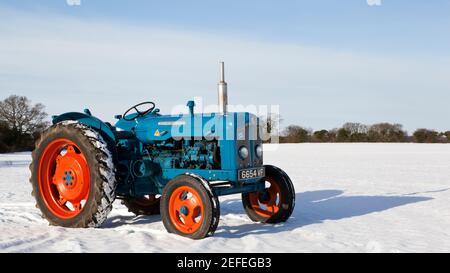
(374, 2)
(69, 64)
(73, 2)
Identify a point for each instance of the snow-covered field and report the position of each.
(350, 198)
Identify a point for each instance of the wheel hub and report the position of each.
(266, 203)
(186, 209)
(69, 176)
(69, 180)
(264, 196)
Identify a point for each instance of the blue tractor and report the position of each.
(173, 165)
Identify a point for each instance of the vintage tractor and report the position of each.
(175, 165)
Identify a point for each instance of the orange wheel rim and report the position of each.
(64, 178)
(266, 203)
(186, 209)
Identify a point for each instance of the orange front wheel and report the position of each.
(275, 203)
(189, 207)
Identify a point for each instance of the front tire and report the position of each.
(276, 203)
(189, 207)
(72, 175)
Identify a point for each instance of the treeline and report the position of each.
(21, 123)
(357, 132)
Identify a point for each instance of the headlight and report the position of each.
(243, 152)
(259, 151)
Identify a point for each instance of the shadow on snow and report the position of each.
(120, 220)
(312, 207)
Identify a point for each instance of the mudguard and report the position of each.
(87, 119)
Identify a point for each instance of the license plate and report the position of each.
(251, 173)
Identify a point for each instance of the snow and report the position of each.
(350, 198)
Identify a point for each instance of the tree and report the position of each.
(21, 116)
(343, 135)
(355, 128)
(321, 136)
(332, 135)
(270, 125)
(386, 132)
(296, 134)
(357, 132)
(446, 136)
(426, 136)
(21, 122)
(5, 137)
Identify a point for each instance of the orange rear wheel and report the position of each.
(64, 178)
(72, 175)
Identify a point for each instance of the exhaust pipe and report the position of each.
(222, 89)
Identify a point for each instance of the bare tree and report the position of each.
(355, 128)
(295, 134)
(21, 116)
(270, 125)
(386, 132)
(353, 132)
(272, 122)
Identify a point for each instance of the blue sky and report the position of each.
(324, 62)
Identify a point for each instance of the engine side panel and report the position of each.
(164, 147)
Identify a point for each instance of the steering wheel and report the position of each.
(139, 112)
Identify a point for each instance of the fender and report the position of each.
(93, 122)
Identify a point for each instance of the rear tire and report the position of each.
(143, 206)
(72, 175)
(276, 203)
(189, 207)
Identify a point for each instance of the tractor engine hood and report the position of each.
(231, 126)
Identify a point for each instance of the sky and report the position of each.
(323, 62)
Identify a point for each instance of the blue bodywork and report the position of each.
(151, 150)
